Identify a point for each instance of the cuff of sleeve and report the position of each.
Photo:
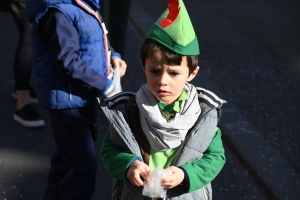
(115, 54)
(185, 185)
(133, 161)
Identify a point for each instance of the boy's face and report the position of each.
(166, 82)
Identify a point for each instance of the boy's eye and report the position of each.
(154, 71)
(174, 73)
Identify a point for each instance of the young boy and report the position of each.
(71, 65)
(169, 123)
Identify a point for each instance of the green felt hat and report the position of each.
(175, 31)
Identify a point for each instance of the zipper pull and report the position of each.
(70, 92)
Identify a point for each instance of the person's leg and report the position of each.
(22, 59)
(22, 63)
(56, 173)
(25, 113)
(75, 144)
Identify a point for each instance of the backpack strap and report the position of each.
(133, 114)
(117, 99)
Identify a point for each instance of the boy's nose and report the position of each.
(163, 79)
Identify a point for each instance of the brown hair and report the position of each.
(149, 47)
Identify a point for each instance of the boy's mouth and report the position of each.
(162, 92)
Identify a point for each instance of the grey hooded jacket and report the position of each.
(195, 144)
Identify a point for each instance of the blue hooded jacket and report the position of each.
(78, 73)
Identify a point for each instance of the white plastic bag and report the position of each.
(116, 78)
(152, 186)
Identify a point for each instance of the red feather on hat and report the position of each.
(174, 9)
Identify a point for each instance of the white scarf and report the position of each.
(165, 134)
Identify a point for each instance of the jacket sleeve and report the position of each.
(65, 45)
(203, 171)
(115, 161)
(115, 54)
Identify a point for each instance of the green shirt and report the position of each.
(164, 159)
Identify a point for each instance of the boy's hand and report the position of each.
(137, 170)
(174, 179)
(121, 63)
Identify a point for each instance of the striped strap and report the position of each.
(118, 99)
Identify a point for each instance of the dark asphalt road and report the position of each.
(250, 56)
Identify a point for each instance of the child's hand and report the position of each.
(137, 170)
(121, 63)
(174, 179)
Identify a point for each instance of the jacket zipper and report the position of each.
(206, 193)
(120, 190)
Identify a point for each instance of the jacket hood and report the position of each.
(35, 9)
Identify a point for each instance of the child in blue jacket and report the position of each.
(71, 64)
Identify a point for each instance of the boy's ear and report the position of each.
(193, 74)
